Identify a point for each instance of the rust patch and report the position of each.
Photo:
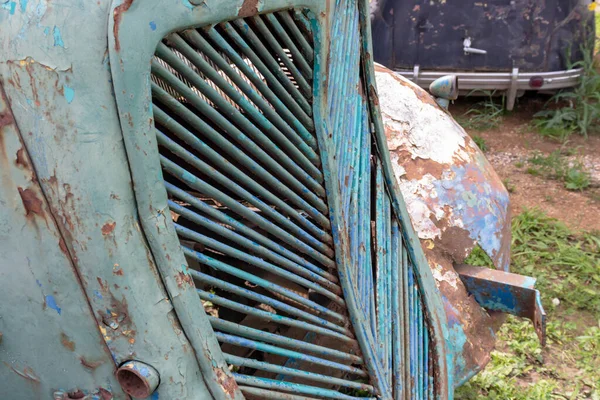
(32, 204)
(182, 278)
(373, 95)
(416, 168)
(117, 15)
(67, 342)
(105, 394)
(63, 246)
(456, 242)
(118, 272)
(103, 285)
(227, 382)
(108, 228)
(21, 160)
(248, 9)
(90, 364)
(27, 373)
(6, 118)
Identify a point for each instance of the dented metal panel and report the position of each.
(49, 337)
(456, 202)
(54, 68)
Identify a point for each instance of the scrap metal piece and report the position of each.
(506, 292)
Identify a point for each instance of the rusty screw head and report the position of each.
(137, 379)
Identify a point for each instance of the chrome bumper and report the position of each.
(513, 82)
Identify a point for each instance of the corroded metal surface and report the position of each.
(506, 292)
(48, 334)
(456, 202)
(54, 68)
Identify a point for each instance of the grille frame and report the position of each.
(130, 59)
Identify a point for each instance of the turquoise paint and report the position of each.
(58, 41)
(51, 302)
(23, 4)
(152, 25)
(46, 31)
(188, 4)
(69, 93)
(10, 7)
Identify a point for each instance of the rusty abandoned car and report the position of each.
(508, 46)
(227, 199)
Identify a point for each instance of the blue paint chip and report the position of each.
(23, 4)
(69, 93)
(11, 7)
(38, 283)
(57, 37)
(153, 25)
(97, 294)
(51, 302)
(46, 31)
(154, 396)
(188, 4)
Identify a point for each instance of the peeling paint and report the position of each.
(51, 302)
(69, 93)
(58, 41)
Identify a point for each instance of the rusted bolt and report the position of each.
(137, 379)
(0, 337)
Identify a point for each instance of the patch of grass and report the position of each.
(556, 166)
(567, 266)
(574, 110)
(480, 142)
(510, 187)
(484, 115)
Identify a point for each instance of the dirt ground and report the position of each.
(514, 142)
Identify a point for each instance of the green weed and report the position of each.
(567, 266)
(576, 109)
(556, 166)
(484, 115)
(480, 142)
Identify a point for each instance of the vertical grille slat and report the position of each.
(333, 290)
(275, 112)
(270, 88)
(293, 388)
(268, 66)
(239, 122)
(193, 181)
(298, 150)
(305, 48)
(235, 173)
(243, 140)
(319, 325)
(296, 55)
(192, 160)
(233, 120)
(247, 232)
(305, 375)
(293, 344)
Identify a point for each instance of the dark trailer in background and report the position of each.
(508, 45)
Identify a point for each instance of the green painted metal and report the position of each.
(49, 336)
(276, 155)
(55, 71)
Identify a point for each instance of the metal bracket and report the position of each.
(506, 292)
(512, 90)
